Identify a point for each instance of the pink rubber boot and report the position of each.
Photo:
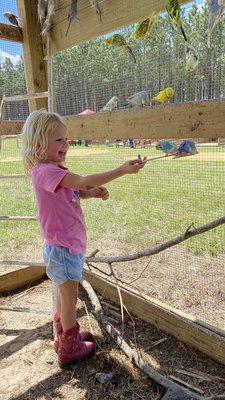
(71, 348)
(84, 335)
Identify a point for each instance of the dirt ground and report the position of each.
(28, 365)
(29, 370)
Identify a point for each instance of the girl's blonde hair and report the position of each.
(36, 130)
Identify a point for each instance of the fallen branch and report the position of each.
(160, 247)
(131, 353)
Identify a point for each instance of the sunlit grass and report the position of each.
(157, 204)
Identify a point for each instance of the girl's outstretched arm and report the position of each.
(94, 180)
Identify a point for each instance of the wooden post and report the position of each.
(33, 52)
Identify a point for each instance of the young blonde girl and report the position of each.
(58, 192)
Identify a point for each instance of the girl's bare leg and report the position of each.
(68, 294)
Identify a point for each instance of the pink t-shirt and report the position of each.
(59, 212)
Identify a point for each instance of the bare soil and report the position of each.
(29, 368)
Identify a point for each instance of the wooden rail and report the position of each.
(185, 120)
(21, 97)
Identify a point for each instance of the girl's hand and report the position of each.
(100, 192)
(133, 166)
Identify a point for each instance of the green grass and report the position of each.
(157, 204)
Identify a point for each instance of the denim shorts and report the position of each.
(61, 266)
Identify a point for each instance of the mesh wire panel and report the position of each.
(166, 196)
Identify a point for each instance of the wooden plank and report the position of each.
(116, 14)
(10, 32)
(172, 321)
(10, 127)
(20, 278)
(33, 52)
(188, 120)
(179, 121)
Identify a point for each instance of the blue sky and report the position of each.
(15, 49)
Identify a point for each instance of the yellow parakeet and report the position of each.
(119, 41)
(111, 105)
(164, 95)
(144, 28)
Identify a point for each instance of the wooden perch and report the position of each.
(132, 353)
(10, 32)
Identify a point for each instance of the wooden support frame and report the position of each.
(184, 327)
(116, 14)
(34, 64)
(11, 33)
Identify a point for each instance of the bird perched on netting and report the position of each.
(187, 147)
(216, 8)
(52, 5)
(13, 19)
(139, 99)
(119, 41)
(42, 10)
(164, 95)
(167, 147)
(95, 4)
(111, 105)
(72, 14)
(191, 56)
(174, 11)
(144, 28)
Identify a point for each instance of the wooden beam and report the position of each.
(178, 324)
(187, 120)
(20, 278)
(11, 33)
(202, 336)
(116, 14)
(33, 52)
(8, 128)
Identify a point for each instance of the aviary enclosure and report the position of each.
(156, 248)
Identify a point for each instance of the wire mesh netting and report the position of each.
(166, 196)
